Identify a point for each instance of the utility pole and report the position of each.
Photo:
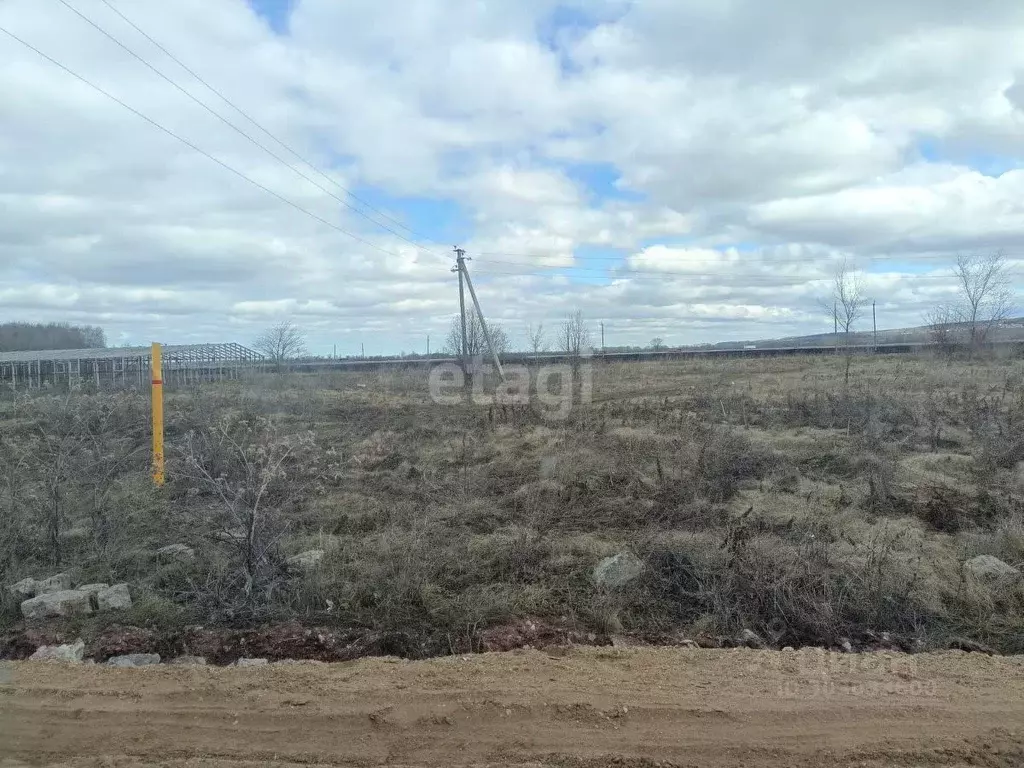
(602, 337)
(459, 255)
(460, 258)
(335, 351)
(362, 350)
(874, 326)
(428, 345)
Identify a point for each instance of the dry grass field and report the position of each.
(756, 498)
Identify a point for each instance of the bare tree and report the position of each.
(846, 308)
(476, 342)
(535, 335)
(575, 338)
(985, 286)
(943, 325)
(282, 342)
(657, 343)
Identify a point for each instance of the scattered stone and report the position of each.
(134, 660)
(306, 560)
(846, 645)
(685, 643)
(92, 589)
(970, 646)
(180, 553)
(73, 652)
(618, 570)
(250, 663)
(115, 598)
(24, 589)
(788, 649)
(233, 535)
(990, 568)
(57, 583)
(67, 602)
(748, 638)
(188, 661)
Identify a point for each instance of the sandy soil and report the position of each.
(579, 708)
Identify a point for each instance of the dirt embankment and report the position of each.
(583, 707)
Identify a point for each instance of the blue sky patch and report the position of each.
(275, 12)
(602, 180)
(440, 220)
(933, 150)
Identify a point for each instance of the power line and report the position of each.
(253, 120)
(782, 259)
(235, 128)
(192, 146)
(614, 272)
(662, 277)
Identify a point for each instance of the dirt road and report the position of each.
(582, 708)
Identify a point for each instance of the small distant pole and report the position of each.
(602, 337)
(874, 325)
(335, 351)
(362, 350)
(157, 370)
(428, 345)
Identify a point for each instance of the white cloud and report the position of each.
(757, 146)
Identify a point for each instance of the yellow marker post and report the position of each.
(158, 415)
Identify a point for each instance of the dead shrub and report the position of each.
(725, 460)
(246, 470)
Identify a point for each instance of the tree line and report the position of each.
(30, 337)
(965, 323)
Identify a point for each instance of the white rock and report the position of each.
(618, 570)
(233, 535)
(56, 583)
(250, 663)
(92, 589)
(306, 560)
(115, 598)
(67, 602)
(989, 568)
(176, 552)
(24, 589)
(134, 660)
(750, 639)
(73, 652)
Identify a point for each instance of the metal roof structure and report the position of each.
(174, 354)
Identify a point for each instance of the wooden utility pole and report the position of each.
(460, 259)
(602, 337)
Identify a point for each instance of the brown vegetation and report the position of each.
(760, 495)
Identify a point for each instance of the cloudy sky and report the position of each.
(690, 169)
